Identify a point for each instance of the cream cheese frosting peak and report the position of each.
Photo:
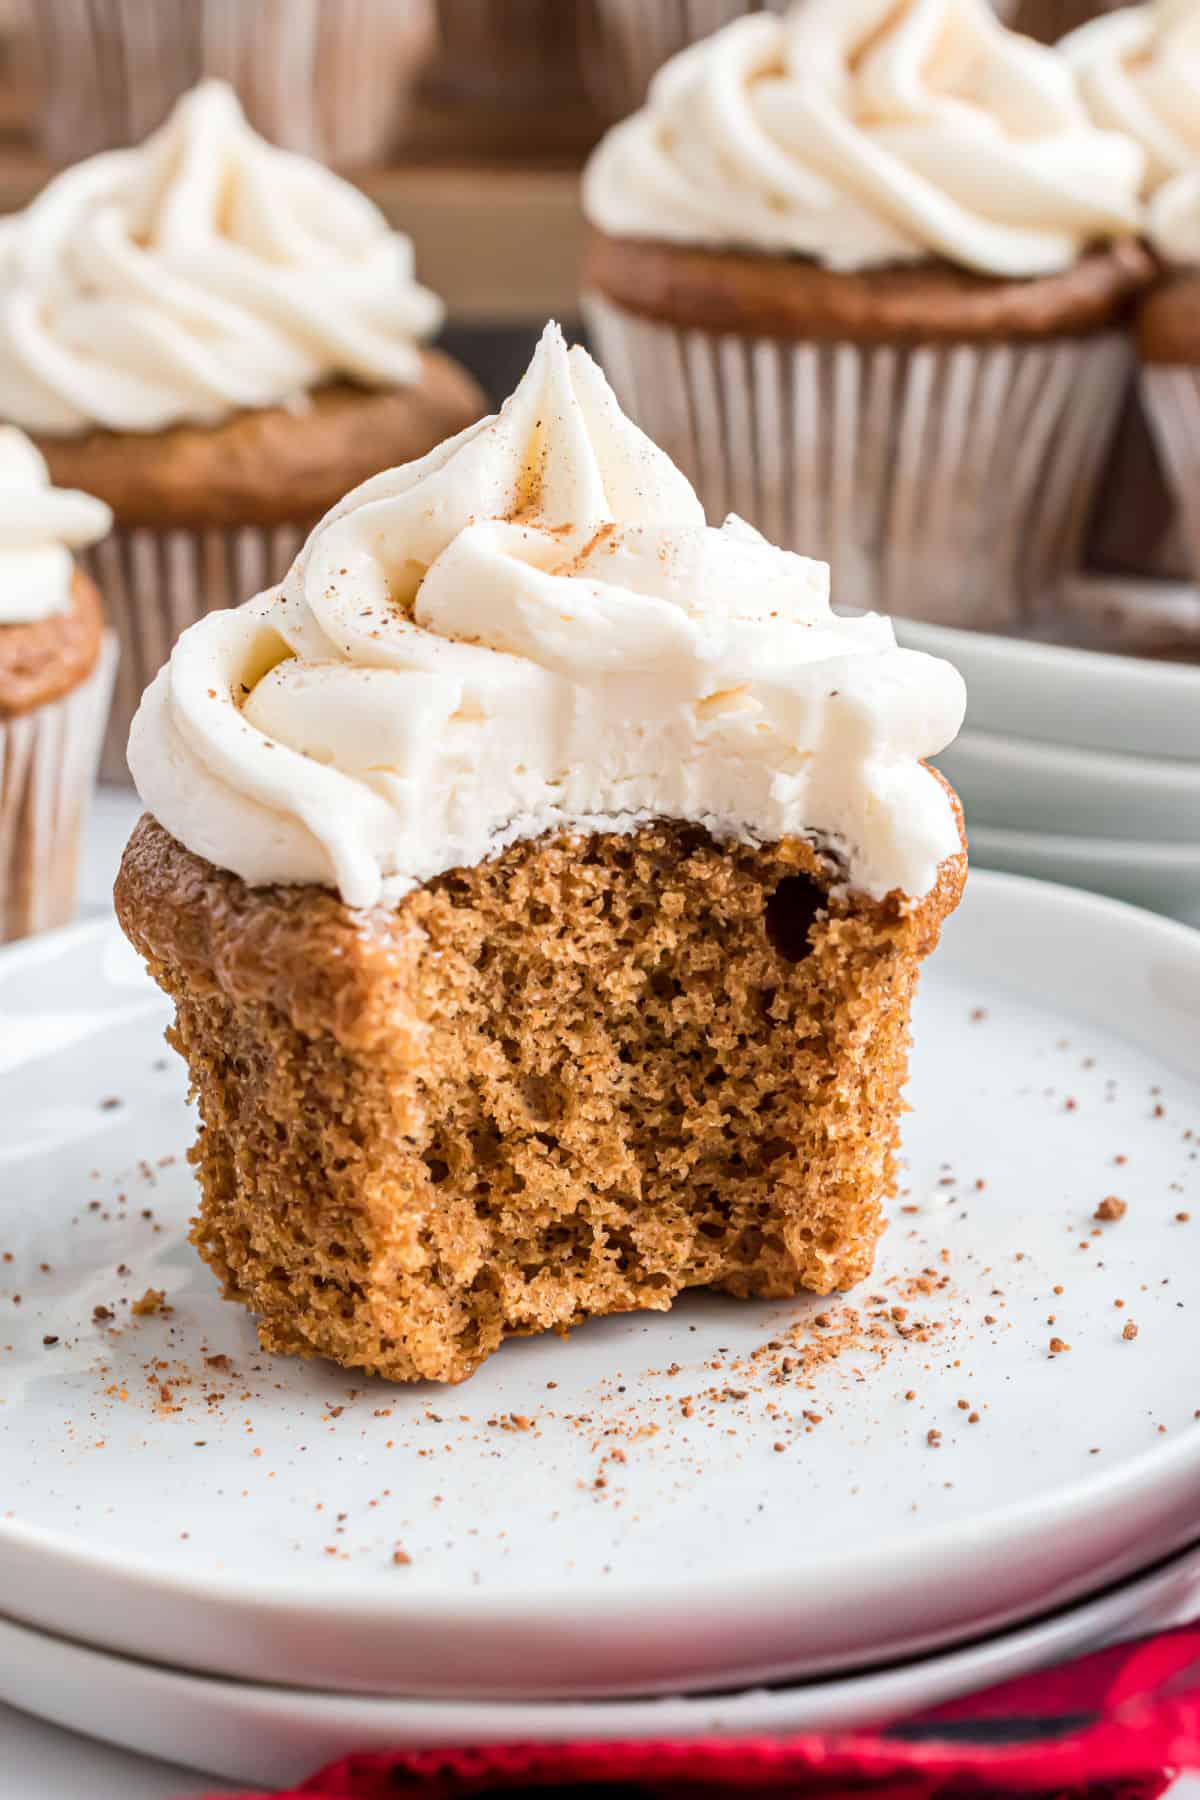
(1139, 73)
(201, 273)
(40, 527)
(535, 629)
(870, 132)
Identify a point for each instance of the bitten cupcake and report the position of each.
(56, 668)
(214, 336)
(541, 876)
(864, 272)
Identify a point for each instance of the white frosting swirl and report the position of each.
(532, 629)
(40, 527)
(869, 132)
(203, 272)
(1138, 70)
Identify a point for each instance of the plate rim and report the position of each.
(733, 1593)
(1074, 1629)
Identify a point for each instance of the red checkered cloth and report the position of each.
(1121, 1723)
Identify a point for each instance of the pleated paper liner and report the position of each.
(1171, 396)
(157, 583)
(332, 79)
(48, 761)
(1137, 525)
(328, 78)
(947, 483)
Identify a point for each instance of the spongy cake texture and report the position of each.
(571, 1081)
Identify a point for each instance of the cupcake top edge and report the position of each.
(40, 529)
(1138, 71)
(534, 629)
(869, 133)
(199, 274)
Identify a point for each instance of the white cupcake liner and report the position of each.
(157, 583)
(951, 483)
(327, 78)
(1171, 396)
(635, 37)
(48, 763)
(1137, 526)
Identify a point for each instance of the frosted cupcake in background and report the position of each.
(215, 337)
(328, 78)
(864, 271)
(1139, 72)
(56, 669)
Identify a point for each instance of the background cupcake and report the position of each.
(217, 338)
(867, 285)
(329, 78)
(56, 666)
(1138, 71)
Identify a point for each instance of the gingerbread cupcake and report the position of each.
(541, 878)
(865, 271)
(56, 670)
(214, 336)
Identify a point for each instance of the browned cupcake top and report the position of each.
(44, 659)
(273, 466)
(786, 297)
(1168, 326)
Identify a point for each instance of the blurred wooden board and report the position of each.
(499, 245)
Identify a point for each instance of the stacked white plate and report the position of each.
(673, 1524)
(1079, 766)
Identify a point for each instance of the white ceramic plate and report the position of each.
(1092, 699)
(1164, 876)
(241, 1516)
(1022, 784)
(278, 1736)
